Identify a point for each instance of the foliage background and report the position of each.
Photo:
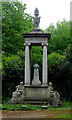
(15, 22)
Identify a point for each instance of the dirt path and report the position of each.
(33, 114)
(0, 114)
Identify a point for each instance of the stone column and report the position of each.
(27, 64)
(45, 71)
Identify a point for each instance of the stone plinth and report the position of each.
(35, 94)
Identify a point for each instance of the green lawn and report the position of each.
(63, 116)
(61, 112)
(32, 107)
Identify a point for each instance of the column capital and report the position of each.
(27, 44)
(44, 44)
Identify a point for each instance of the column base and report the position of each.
(44, 84)
(27, 84)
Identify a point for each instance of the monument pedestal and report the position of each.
(35, 95)
(33, 92)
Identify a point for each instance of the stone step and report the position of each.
(44, 107)
(37, 102)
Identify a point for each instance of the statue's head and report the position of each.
(50, 84)
(21, 83)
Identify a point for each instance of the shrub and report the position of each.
(12, 73)
(66, 69)
(55, 61)
(60, 72)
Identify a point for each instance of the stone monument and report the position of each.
(35, 92)
(36, 80)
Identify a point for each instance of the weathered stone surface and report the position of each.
(18, 95)
(36, 18)
(35, 93)
(36, 40)
(36, 80)
(27, 64)
(45, 71)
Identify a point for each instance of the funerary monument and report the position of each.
(33, 91)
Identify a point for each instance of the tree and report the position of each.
(60, 36)
(14, 22)
(67, 72)
(60, 72)
(12, 73)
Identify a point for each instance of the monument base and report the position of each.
(35, 95)
(36, 92)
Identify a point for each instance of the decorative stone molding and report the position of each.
(29, 92)
(44, 44)
(25, 44)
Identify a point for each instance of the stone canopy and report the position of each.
(36, 38)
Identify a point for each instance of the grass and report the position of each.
(66, 105)
(63, 116)
(19, 107)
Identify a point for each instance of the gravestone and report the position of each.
(36, 92)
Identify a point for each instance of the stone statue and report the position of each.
(19, 93)
(50, 86)
(20, 87)
(54, 95)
